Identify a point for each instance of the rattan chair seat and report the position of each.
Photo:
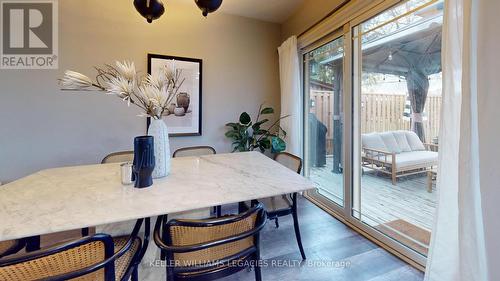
(122, 263)
(189, 235)
(118, 157)
(211, 249)
(276, 203)
(194, 151)
(71, 260)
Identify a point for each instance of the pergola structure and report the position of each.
(412, 52)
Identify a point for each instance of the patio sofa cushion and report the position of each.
(414, 141)
(390, 142)
(403, 144)
(399, 153)
(373, 141)
(413, 158)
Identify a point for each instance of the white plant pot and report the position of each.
(159, 131)
(179, 111)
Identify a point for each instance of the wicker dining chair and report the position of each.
(279, 206)
(115, 157)
(212, 248)
(290, 161)
(10, 247)
(198, 151)
(97, 257)
(194, 151)
(118, 157)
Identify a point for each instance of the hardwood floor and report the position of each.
(334, 252)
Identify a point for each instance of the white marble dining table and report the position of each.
(68, 198)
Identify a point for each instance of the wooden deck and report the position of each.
(382, 202)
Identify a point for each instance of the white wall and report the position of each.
(42, 127)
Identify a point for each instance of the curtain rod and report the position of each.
(325, 17)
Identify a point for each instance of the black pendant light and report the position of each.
(150, 9)
(208, 6)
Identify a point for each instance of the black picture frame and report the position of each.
(198, 131)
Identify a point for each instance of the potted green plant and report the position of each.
(248, 135)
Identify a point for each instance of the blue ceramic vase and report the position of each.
(144, 161)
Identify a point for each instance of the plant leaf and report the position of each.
(260, 132)
(233, 134)
(245, 118)
(267, 110)
(233, 125)
(256, 126)
(265, 143)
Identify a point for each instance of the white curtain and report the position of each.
(459, 248)
(488, 89)
(290, 94)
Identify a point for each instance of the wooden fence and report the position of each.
(379, 113)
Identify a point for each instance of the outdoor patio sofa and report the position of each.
(397, 153)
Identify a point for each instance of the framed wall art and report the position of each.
(184, 114)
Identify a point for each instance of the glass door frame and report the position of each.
(352, 106)
(305, 86)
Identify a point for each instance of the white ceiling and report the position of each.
(277, 11)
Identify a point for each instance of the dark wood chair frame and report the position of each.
(292, 210)
(110, 256)
(211, 271)
(18, 246)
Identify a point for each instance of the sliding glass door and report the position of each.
(324, 118)
(372, 112)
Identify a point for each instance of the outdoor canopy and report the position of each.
(412, 52)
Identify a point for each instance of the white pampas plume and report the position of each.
(121, 87)
(73, 80)
(157, 80)
(126, 69)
